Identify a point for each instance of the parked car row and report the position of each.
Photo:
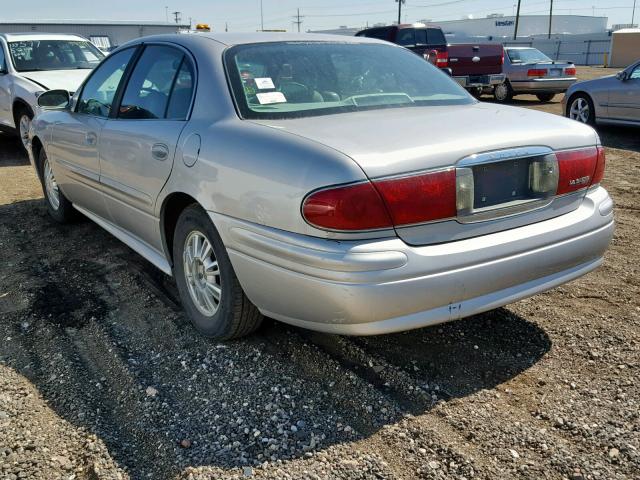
(484, 67)
(290, 176)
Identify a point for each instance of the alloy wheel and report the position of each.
(24, 126)
(202, 273)
(501, 92)
(51, 186)
(579, 110)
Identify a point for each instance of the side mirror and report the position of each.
(622, 76)
(3, 69)
(54, 99)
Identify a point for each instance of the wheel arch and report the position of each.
(172, 206)
(17, 104)
(36, 147)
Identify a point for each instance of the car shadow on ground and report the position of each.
(11, 152)
(94, 327)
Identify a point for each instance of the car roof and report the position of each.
(27, 36)
(231, 39)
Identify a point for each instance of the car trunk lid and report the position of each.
(406, 141)
(475, 59)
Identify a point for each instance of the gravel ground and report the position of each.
(102, 377)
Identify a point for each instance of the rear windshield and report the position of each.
(295, 79)
(409, 37)
(527, 55)
(35, 55)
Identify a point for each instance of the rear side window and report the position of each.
(435, 37)
(180, 100)
(99, 91)
(3, 66)
(152, 82)
(406, 36)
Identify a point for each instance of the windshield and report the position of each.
(35, 55)
(294, 79)
(527, 55)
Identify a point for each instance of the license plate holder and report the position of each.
(501, 183)
(555, 72)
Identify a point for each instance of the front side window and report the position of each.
(99, 91)
(3, 65)
(36, 55)
(296, 79)
(152, 82)
(527, 55)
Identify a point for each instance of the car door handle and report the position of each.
(160, 151)
(90, 138)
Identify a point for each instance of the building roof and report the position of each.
(94, 22)
(27, 36)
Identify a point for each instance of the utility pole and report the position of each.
(261, 17)
(226, 26)
(633, 12)
(515, 30)
(176, 15)
(550, 18)
(298, 20)
(166, 14)
(400, 2)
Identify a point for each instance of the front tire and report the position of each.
(503, 93)
(209, 289)
(23, 118)
(58, 206)
(545, 97)
(580, 108)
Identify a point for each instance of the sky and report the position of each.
(244, 15)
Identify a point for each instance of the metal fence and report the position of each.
(580, 52)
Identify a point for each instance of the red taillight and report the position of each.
(537, 72)
(570, 71)
(577, 168)
(442, 59)
(350, 207)
(598, 175)
(420, 198)
(384, 203)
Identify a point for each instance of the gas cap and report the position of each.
(191, 149)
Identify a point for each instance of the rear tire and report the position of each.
(545, 97)
(503, 93)
(580, 108)
(209, 289)
(58, 206)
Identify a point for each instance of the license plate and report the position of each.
(500, 182)
(555, 72)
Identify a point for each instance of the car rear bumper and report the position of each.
(551, 85)
(473, 81)
(382, 286)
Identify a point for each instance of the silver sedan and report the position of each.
(338, 184)
(614, 99)
(529, 71)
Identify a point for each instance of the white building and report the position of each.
(529, 25)
(498, 27)
(104, 34)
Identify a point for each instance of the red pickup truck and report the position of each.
(474, 66)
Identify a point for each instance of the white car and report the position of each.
(32, 63)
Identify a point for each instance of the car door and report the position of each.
(624, 97)
(5, 90)
(138, 142)
(73, 147)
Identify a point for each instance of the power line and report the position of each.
(297, 20)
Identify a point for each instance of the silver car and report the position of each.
(614, 99)
(531, 72)
(338, 184)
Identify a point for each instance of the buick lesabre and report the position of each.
(338, 184)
